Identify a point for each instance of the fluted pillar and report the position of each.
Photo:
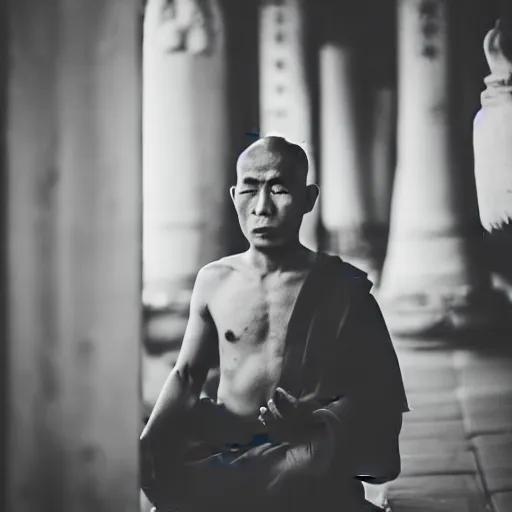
(434, 276)
(188, 161)
(70, 275)
(492, 141)
(287, 78)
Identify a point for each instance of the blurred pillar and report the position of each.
(379, 67)
(492, 141)
(188, 140)
(434, 277)
(351, 142)
(287, 78)
(382, 167)
(72, 268)
(382, 153)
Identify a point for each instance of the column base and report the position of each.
(445, 312)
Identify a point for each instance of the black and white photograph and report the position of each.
(256, 255)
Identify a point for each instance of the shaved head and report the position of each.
(273, 151)
(271, 195)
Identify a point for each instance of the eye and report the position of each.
(279, 190)
(247, 191)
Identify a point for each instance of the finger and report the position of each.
(285, 396)
(294, 462)
(272, 407)
(261, 417)
(286, 403)
(262, 466)
(298, 457)
(266, 415)
(216, 458)
(268, 419)
(258, 452)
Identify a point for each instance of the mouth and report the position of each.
(262, 231)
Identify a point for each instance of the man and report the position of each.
(310, 397)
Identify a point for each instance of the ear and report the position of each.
(232, 193)
(312, 193)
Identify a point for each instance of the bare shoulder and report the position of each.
(216, 271)
(212, 276)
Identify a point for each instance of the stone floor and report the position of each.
(457, 441)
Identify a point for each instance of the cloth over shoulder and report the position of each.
(349, 353)
(348, 346)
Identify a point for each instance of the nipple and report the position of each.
(230, 336)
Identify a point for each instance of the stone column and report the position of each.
(382, 169)
(347, 136)
(200, 108)
(187, 150)
(287, 77)
(379, 66)
(434, 276)
(492, 141)
(71, 227)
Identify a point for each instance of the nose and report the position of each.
(264, 206)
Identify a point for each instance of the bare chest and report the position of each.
(253, 316)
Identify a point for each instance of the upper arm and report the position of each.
(199, 349)
(373, 367)
(376, 383)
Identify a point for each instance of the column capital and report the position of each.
(180, 25)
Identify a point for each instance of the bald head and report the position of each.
(273, 151)
(272, 191)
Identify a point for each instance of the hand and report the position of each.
(275, 464)
(286, 417)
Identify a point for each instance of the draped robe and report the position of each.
(338, 351)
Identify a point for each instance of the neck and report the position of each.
(277, 259)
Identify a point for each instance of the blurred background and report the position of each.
(382, 94)
(122, 123)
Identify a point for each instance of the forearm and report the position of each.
(179, 393)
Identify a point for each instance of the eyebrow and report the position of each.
(255, 181)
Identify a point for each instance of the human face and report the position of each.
(270, 201)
